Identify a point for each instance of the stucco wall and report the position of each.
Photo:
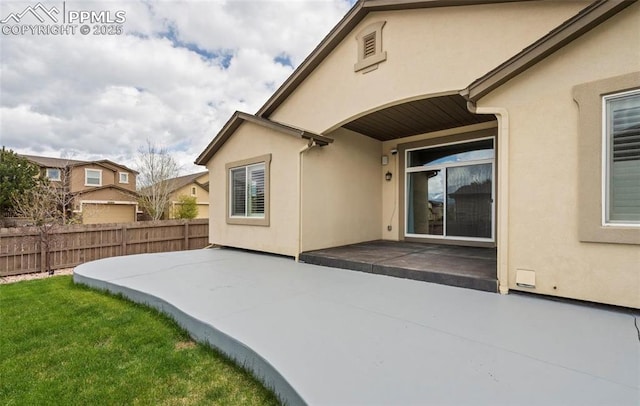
(544, 169)
(341, 192)
(429, 51)
(249, 141)
(109, 177)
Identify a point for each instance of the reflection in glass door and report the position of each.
(449, 191)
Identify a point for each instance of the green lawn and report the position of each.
(66, 344)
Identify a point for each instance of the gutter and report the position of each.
(311, 144)
(502, 215)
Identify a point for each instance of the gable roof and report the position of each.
(181, 181)
(48, 162)
(587, 19)
(592, 15)
(356, 14)
(238, 118)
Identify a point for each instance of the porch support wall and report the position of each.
(502, 215)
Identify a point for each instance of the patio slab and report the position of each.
(465, 267)
(326, 336)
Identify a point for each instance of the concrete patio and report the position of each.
(325, 336)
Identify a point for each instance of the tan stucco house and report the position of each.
(193, 185)
(102, 191)
(507, 124)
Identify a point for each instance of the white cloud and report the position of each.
(175, 76)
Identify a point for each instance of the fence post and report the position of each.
(186, 235)
(43, 253)
(124, 239)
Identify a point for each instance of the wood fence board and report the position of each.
(21, 248)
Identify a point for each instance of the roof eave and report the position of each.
(587, 19)
(238, 118)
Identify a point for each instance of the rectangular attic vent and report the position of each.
(369, 45)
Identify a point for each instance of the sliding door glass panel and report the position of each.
(451, 154)
(425, 206)
(469, 201)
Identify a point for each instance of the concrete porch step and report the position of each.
(465, 267)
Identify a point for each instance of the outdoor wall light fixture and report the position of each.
(388, 176)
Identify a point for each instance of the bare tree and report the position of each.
(40, 205)
(60, 193)
(156, 170)
(63, 196)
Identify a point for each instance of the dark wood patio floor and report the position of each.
(466, 267)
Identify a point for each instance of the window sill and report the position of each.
(248, 221)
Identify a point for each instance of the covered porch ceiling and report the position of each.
(417, 117)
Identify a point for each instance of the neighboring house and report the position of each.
(194, 185)
(102, 191)
(407, 104)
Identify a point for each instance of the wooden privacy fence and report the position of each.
(23, 251)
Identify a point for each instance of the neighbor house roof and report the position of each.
(103, 187)
(48, 162)
(185, 180)
(238, 118)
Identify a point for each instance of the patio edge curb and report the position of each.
(205, 333)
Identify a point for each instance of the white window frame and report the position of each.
(254, 220)
(247, 170)
(606, 162)
(408, 170)
(125, 176)
(86, 177)
(57, 178)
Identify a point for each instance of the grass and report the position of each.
(66, 344)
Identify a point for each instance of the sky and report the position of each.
(170, 73)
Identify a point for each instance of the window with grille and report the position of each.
(622, 167)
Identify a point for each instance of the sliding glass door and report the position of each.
(450, 191)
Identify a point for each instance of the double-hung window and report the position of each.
(248, 191)
(622, 157)
(92, 177)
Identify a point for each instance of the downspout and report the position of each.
(312, 143)
(503, 191)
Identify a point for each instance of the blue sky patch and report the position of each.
(222, 57)
(283, 59)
